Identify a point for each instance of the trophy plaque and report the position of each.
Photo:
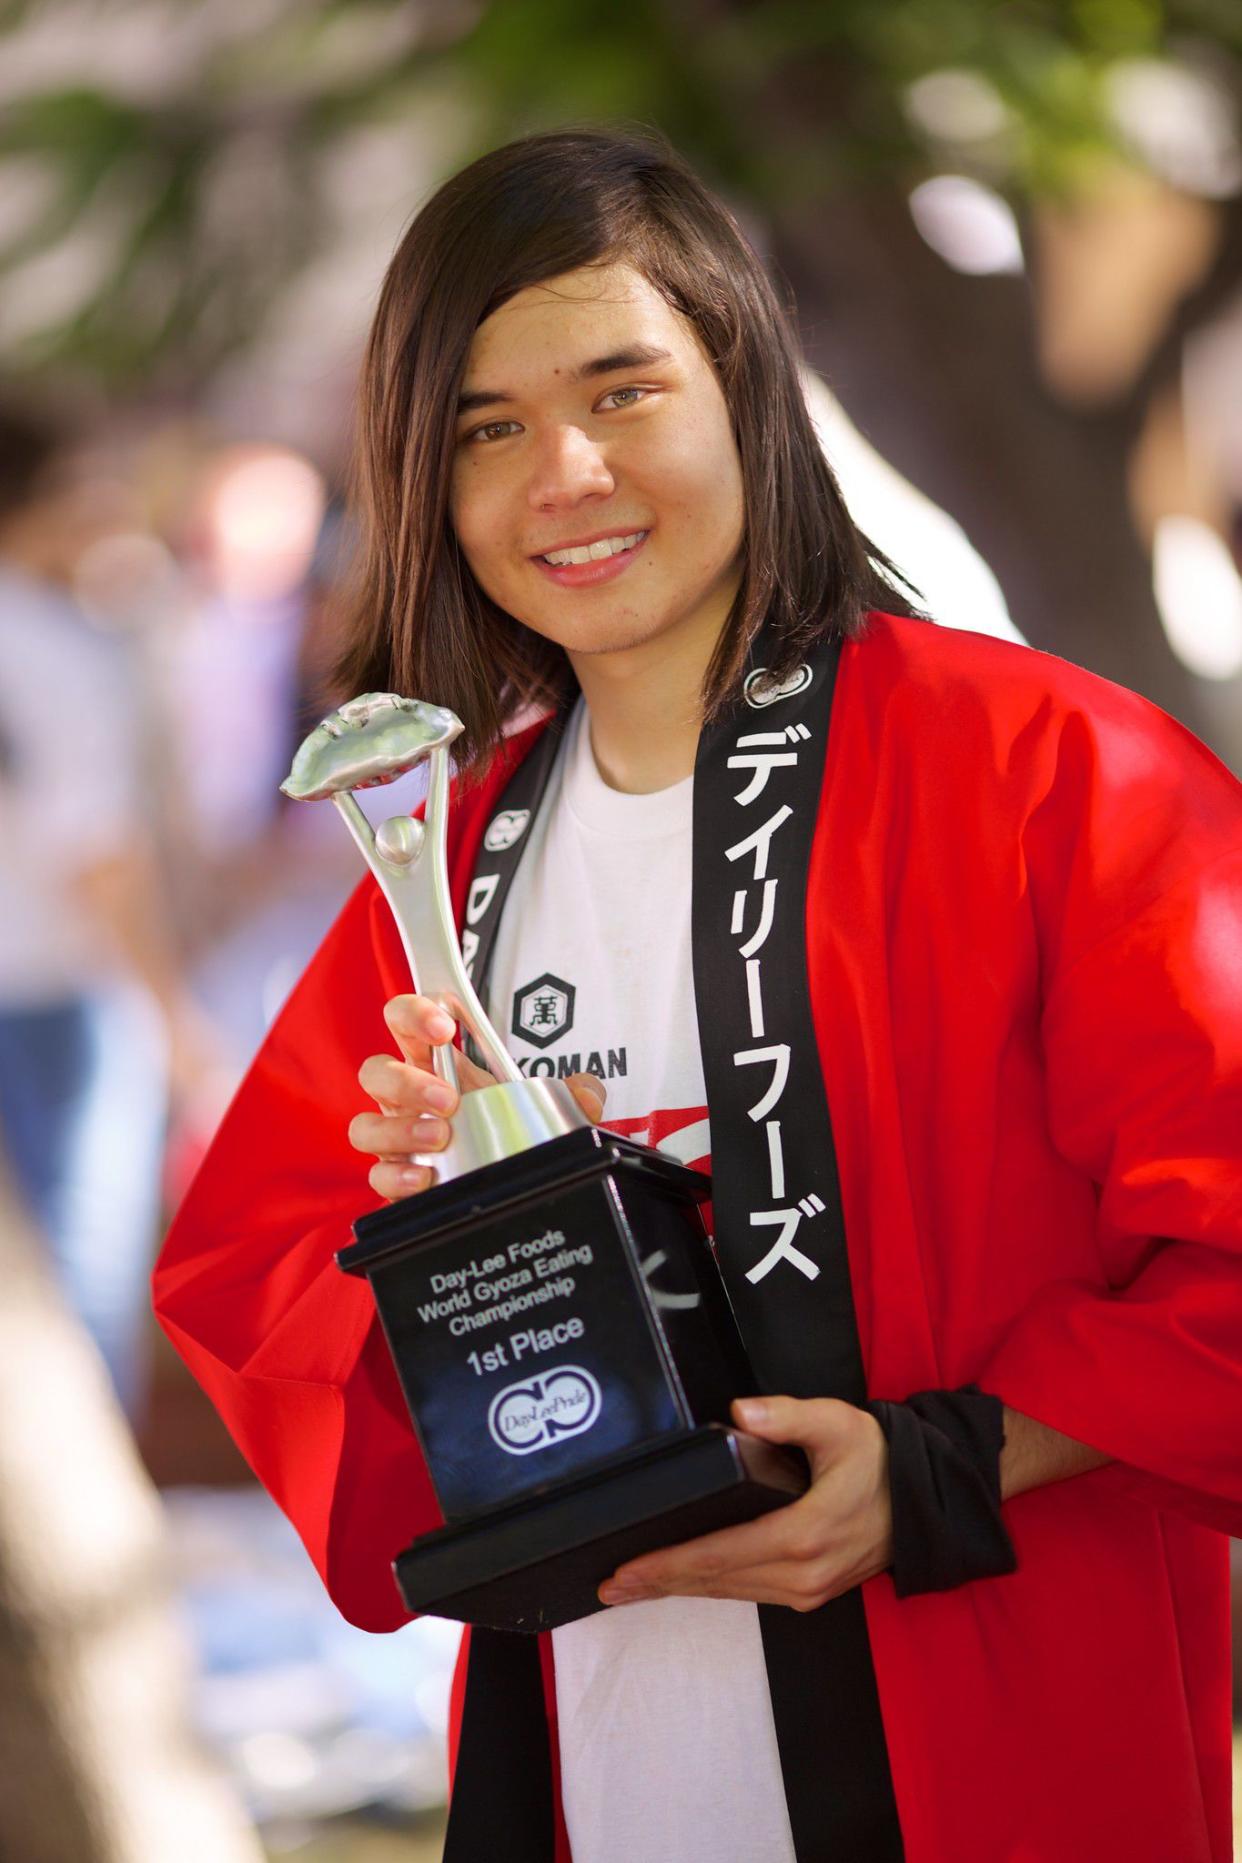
(561, 1334)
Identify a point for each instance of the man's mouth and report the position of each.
(597, 551)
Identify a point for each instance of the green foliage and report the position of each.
(774, 99)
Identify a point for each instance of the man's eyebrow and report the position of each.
(635, 356)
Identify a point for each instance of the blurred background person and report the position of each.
(90, 1000)
(223, 657)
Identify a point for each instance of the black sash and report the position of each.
(502, 847)
(780, 1237)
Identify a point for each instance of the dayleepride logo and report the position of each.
(543, 1011)
(542, 1411)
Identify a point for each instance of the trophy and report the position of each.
(561, 1334)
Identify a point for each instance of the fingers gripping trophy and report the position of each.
(560, 1331)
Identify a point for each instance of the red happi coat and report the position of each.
(1024, 936)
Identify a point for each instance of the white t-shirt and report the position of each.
(668, 1751)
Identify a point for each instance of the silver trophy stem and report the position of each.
(414, 881)
(371, 741)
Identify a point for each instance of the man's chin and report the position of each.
(600, 636)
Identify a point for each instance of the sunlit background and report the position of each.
(1014, 236)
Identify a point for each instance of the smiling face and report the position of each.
(597, 489)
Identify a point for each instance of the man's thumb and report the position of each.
(590, 1093)
(814, 1424)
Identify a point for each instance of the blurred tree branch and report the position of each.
(206, 200)
(188, 282)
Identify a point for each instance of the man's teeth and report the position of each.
(594, 552)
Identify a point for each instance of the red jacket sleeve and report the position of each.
(1135, 869)
(288, 1347)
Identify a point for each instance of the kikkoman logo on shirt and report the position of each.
(543, 1011)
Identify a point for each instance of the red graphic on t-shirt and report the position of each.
(683, 1134)
(661, 1129)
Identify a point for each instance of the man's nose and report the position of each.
(568, 466)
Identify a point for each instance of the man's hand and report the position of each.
(835, 1536)
(415, 1106)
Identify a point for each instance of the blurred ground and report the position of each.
(313, 1720)
(351, 1842)
(348, 1840)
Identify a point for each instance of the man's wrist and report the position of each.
(944, 1482)
(1035, 1455)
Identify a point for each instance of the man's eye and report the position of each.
(619, 395)
(494, 430)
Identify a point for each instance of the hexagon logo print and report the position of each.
(543, 1011)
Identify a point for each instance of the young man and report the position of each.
(784, 850)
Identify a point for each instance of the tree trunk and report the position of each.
(939, 372)
(97, 1764)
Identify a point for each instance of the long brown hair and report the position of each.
(530, 211)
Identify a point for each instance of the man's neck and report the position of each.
(645, 708)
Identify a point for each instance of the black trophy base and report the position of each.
(539, 1562)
